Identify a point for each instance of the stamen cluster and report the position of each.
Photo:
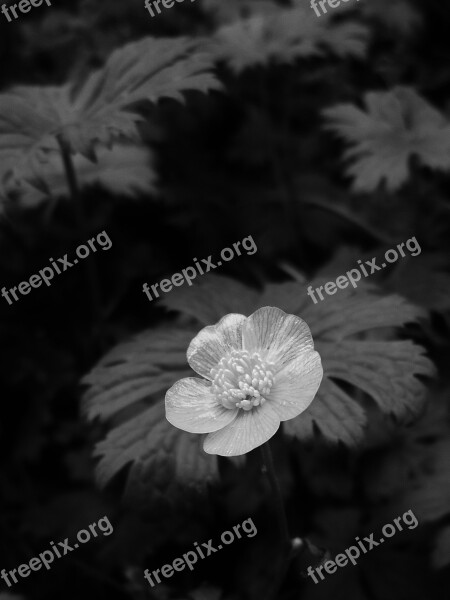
(242, 380)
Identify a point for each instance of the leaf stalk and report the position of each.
(74, 188)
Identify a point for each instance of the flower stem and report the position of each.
(286, 544)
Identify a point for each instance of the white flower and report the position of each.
(258, 371)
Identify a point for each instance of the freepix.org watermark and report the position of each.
(354, 552)
(48, 556)
(190, 558)
(188, 274)
(153, 6)
(47, 273)
(24, 6)
(323, 5)
(354, 276)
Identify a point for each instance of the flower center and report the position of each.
(242, 380)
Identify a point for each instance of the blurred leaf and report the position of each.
(401, 456)
(210, 299)
(431, 497)
(397, 125)
(234, 9)
(284, 36)
(424, 281)
(54, 32)
(441, 553)
(415, 468)
(206, 592)
(397, 15)
(124, 170)
(102, 108)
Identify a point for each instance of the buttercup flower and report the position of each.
(258, 371)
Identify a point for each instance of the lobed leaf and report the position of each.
(285, 35)
(370, 359)
(123, 169)
(148, 69)
(135, 376)
(130, 382)
(159, 452)
(102, 108)
(395, 126)
(209, 303)
(384, 370)
(338, 417)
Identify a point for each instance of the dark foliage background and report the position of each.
(253, 158)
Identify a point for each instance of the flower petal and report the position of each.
(295, 386)
(191, 406)
(249, 430)
(277, 337)
(214, 342)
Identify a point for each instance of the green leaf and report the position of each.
(414, 471)
(404, 454)
(285, 35)
(103, 107)
(369, 359)
(149, 69)
(128, 386)
(396, 126)
(337, 416)
(355, 311)
(159, 452)
(232, 10)
(423, 280)
(208, 302)
(398, 15)
(123, 169)
(431, 498)
(136, 370)
(384, 370)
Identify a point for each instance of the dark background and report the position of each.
(253, 159)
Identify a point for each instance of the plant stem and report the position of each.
(351, 218)
(74, 188)
(286, 544)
